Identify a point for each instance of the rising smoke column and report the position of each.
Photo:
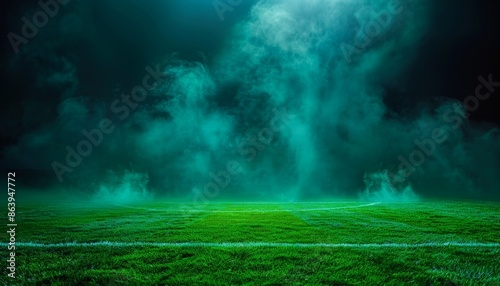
(291, 53)
(309, 60)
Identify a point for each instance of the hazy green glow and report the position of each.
(284, 60)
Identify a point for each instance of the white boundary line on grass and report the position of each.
(254, 211)
(294, 210)
(255, 244)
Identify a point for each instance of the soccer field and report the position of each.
(324, 243)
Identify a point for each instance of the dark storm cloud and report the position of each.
(349, 119)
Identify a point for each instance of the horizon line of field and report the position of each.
(250, 210)
(256, 244)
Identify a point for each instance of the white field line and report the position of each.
(295, 210)
(254, 211)
(255, 244)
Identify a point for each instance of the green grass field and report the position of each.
(337, 243)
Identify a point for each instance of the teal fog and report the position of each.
(267, 100)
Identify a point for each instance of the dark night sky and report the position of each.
(93, 50)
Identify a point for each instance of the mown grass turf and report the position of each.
(289, 223)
